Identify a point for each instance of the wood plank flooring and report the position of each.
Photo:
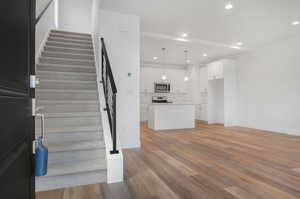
(208, 162)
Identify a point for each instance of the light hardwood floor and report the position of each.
(209, 162)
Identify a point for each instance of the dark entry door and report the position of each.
(16, 120)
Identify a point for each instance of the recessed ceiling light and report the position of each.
(184, 35)
(235, 47)
(239, 43)
(188, 61)
(228, 6)
(296, 23)
(204, 55)
(155, 58)
(164, 77)
(186, 79)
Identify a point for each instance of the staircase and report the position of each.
(68, 96)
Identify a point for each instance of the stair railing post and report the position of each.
(114, 124)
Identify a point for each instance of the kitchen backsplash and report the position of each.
(176, 98)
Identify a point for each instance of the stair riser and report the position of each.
(68, 137)
(73, 137)
(61, 138)
(67, 56)
(76, 156)
(68, 50)
(69, 122)
(97, 144)
(73, 37)
(56, 182)
(42, 95)
(72, 130)
(69, 108)
(70, 168)
(73, 86)
(79, 70)
(70, 33)
(73, 77)
(66, 62)
(66, 45)
(71, 41)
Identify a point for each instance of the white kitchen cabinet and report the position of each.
(222, 93)
(210, 71)
(219, 70)
(215, 70)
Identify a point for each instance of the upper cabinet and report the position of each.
(215, 70)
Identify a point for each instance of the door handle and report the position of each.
(42, 116)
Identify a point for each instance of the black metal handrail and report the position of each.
(110, 94)
(43, 12)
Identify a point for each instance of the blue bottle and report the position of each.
(41, 158)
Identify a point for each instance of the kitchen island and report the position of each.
(171, 116)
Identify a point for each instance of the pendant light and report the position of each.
(187, 61)
(164, 75)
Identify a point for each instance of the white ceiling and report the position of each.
(211, 29)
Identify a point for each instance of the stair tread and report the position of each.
(54, 102)
(75, 146)
(68, 48)
(65, 73)
(64, 43)
(70, 32)
(65, 90)
(63, 137)
(53, 38)
(66, 59)
(66, 65)
(62, 35)
(79, 167)
(57, 182)
(69, 41)
(66, 54)
(65, 85)
(69, 74)
(68, 81)
(75, 156)
(72, 114)
(73, 129)
(67, 134)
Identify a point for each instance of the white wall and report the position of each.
(75, 15)
(122, 36)
(230, 93)
(46, 23)
(216, 101)
(95, 28)
(269, 87)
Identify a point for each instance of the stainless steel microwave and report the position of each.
(162, 87)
